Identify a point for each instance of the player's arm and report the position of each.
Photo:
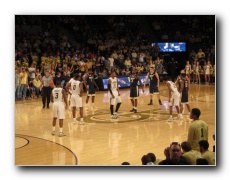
(51, 97)
(109, 87)
(67, 88)
(81, 89)
(170, 91)
(181, 86)
(158, 79)
(139, 79)
(95, 84)
(146, 79)
(118, 90)
(85, 78)
(188, 83)
(64, 97)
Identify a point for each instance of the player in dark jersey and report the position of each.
(89, 83)
(153, 84)
(183, 87)
(134, 91)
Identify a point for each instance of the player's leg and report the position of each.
(177, 103)
(118, 100)
(73, 106)
(61, 117)
(80, 105)
(135, 106)
(54, 125)
(86, 102)
(170, 110)
(132, 101)
(151, 95)
(55, 115)
(93, 97)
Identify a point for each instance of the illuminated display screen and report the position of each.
(171, 46)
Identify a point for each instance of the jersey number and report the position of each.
(56, 95)
(202, 132)
(74, 87)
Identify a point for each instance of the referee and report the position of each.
(46, 89)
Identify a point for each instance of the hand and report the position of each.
(119, 94)
(113, 96)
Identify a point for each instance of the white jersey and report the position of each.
(173, 87)
(75, 87)
(113, 83)
(57, 94)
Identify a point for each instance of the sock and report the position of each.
(134, 107)
(180, 115)
(170, 116)
(81, 119)
(159, 101)
(93, 104)
(151, 100)
(60, 130)
(53, 128)
(111, 109)
(117, 107)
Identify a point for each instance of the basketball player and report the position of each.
(184, 84)
(114, 95)
(134, 91)
(153, 84)
(207, 72)
(57, 96)
(198, 130)
(188, 69)
(76, 88)
(89, 83)
(174, 98)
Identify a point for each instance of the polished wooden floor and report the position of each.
(101, 142)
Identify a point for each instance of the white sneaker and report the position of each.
(170, 119)
(75, 121)
(61, 134)
(115, 115)
(82, 122)
(53, 133)
(180, 117)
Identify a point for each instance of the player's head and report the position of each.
(58, 83)
(175, 151)
(165, 79)
(113, 74)
(186, 146)
(151, 69)
(182, 73)
(195, 113)
(204, 145)
(187, 62)
(77, 76)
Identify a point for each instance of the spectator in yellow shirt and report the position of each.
(36, 84)
(24, 83)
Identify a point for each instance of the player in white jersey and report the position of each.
(188, 68)
(207, 69)
(57, 96)
(174, 98)
(76, 88)
(114, 95)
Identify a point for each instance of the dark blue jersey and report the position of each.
(133, 80)
(153, 79)
(89, 80)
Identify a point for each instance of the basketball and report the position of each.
(51, 83)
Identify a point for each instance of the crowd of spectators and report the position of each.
(72, 44)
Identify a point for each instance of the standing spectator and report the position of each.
(173, 66)
(46, 89)
(175, 156)
(57, 78)
(198, 129)
(17, 84)
(205, 153)
(158, 66)
(32, 70)
(200, 54)
(190, 155)
(24, 83)
(111, 64)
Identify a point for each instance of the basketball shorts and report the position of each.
(153, 90)
(90, 91)
(175, 99)
(58, 110)
(134, 92)
(115, 100)
(76, 101)
(184, 97)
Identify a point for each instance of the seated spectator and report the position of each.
(153, 158)
(175, 156)
(57, 78)
(201, 161)
(104, 73)
(146, 160)
(205, 153)
(36, 84)
(127, 72)
(128, 63)
(125, 163)
(189, 154)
